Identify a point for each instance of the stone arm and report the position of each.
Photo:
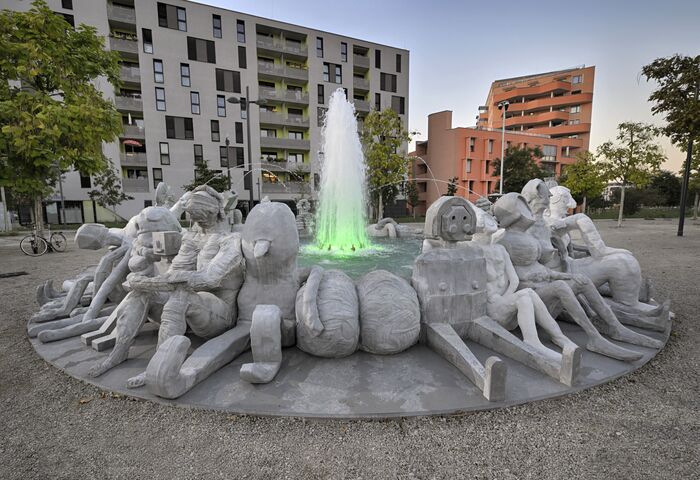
(179, 207)
(511, 274)
(116, 277)
(186, 258)
(590, 235)
(107, 265)
(228, 258)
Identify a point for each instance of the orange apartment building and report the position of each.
(551, 111)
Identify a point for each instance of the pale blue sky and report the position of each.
(459, 47)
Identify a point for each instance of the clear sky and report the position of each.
(458, 48)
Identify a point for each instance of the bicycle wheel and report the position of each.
(33, 246)
(58, 241)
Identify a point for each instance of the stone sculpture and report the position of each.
(305, 219)
(386, 227)
(198, 290)
(559, 290)
(614, 271)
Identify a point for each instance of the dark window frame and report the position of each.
(216, 131)
(216, 28)
(147, 40)
(184, 77)
(240, 31)
(159, 101)
(158, 76)
(198, 156)
(164, 157)
(156, 181)
(195, 95)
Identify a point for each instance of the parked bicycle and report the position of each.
(36, 245)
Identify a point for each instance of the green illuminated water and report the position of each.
(340, 221)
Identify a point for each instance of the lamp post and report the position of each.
(503, 106)
(228, 161)
(244, 103)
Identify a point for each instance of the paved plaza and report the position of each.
(644, 425)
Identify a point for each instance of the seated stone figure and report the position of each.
(612, 270)
(198, 290)
(559, 290)
(386, 227)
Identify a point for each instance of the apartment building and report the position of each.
(182, 61)
(550, 111)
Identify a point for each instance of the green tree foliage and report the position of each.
(382, 137)
(451, 187)
(667, 186)
(584, 178)
(108, 192)
(410, 191)
(53, 116)
(519, 168)
(205, 176)
(633, 159)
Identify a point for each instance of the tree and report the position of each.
(204, 176)
(678, 78)
(109, 193)
(451, 187)
(694, 180)
(53, 116)
(633, 160)
(520, 167)
(584, 178)
(410, 191)
(383, 135)
(667, 186)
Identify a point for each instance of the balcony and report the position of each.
(286, 143)
(288, 187)
(133, 159)
(538, 118)
(360, 83)
(133, 131)
(288, 96)
(564, 129)
(128, 103)
(286, 166)
(128, 48)
(277, 46)
(360, 62)
(361, 105)
(135, 185)
(130, 75)
(122, 17)
(282, 71)
(535, 90)
(275, 118)
(545, 103)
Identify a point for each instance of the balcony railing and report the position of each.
(130, 74)
(361, 83)
(133, 159)
(286, 166)
(275, 118)
(361, 105)
(284, 95)
(130, 104)
(287, 143)
(360, 61)
(287, 187)
(278, 45)
(135, 185)
(133, 131)
(121, 14)
(124, 45)
(283, 71)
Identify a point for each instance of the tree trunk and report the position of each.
(695, 205)
(380, 208)
(622, 206)
(583, 207)
(38, 215)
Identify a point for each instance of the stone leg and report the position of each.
(65, 305)
(564, 367)
(168, 377)
(266, 344)
(71, 330)
(658, 319)
(490, 378)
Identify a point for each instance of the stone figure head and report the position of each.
(452, 219)
(270, 234)
(94, 236)
(561, 201)
(303, 206)
(164, 196)
(206, 206)
(485, 223)
(513, 211)
(156, 219)
(537, 195)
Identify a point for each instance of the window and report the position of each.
(343, 51)
(157, 176)
(201, 50)
(223, 156)
(158, 71)
(194, 102)
(332, 73)
(170, 16)
(228, 81)
(469, 165)
(295, 112)
(576, 79)
(179, 128)
(268, 133)
(398, 63)
(576, 109)
(198, 154)
(574, 122)
(160, 99)
(319, 47)
(377, 101)
(269, 156)
(378, 58)
(487, 165)
(147, 40)
(293, 135)
(295, 157)
(147, 203)
(67, 4)
(387, 82)
(242, 59)
(216, 24)
(164, 149)
(490, 149)
(220, 105)
(240, 157)
(85, 181)
(398, 104)
(215, 136)
(239, 132)
(471, 186)
(549, 153)
(321, 95)
(472, 143)
(185, 80)
(240, 31)
(68, 18)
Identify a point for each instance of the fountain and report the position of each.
(340, 221)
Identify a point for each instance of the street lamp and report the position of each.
(244, 102)
(228, 161)
(503, 106)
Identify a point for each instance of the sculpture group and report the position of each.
(483, 272)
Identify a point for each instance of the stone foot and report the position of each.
(609, 349)
(624, 334)
(570, 365)
(137, 381)
(495, 379)
(266, 344)
(114, 359)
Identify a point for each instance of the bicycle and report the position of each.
(36, 245)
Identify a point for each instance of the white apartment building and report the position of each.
(182, 60)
